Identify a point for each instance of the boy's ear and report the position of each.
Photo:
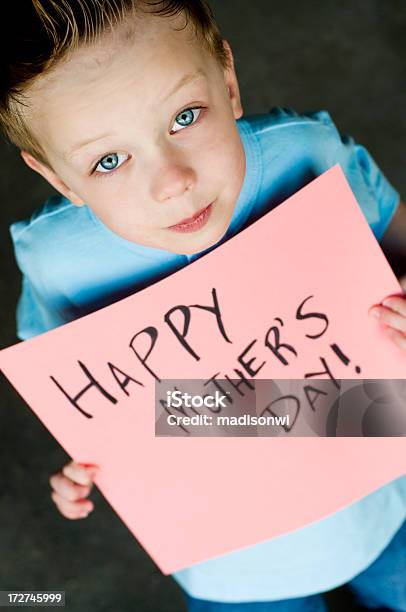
(51, 177)
(232, 83)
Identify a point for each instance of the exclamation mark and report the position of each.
(343, 357)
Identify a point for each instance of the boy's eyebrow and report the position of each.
(185, 80)
(82, 144)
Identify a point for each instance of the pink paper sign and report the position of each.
(91, 381)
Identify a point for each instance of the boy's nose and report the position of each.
(171, 183)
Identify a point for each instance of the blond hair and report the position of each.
(48, 31)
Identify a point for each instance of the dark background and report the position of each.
(347, 57)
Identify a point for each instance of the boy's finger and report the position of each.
(72, 510)
(398, 337)
(389, 317)
(68, 489)
(80, 474)
(396, 303)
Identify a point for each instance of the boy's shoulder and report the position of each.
(287, 122)
(42, 240)
(285, 115)
(296, 148)
(54, 209)
(286, 139)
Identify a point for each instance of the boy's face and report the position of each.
(153, 158)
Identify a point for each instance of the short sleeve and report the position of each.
(33, 314)
(377, 198)
(37, 309)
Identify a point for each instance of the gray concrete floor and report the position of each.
(347, 57)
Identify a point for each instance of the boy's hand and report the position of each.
(392, 313)
(70, 487)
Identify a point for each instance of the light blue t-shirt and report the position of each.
(72, 264)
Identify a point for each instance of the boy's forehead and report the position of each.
(147, 60)
(143, 38)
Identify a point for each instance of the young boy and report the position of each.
(131, 110)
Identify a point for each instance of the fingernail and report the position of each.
(375, 313)
(387, 303)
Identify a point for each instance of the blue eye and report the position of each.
(110, 162)
(187, 117)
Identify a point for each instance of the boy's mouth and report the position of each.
(192, 224)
